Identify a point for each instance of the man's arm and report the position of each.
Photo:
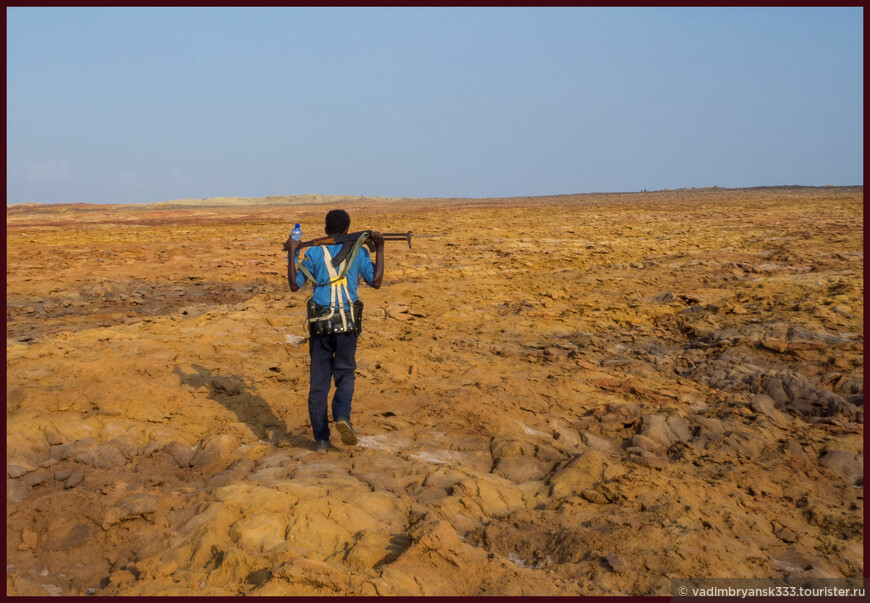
(378, 277)
(293, 245)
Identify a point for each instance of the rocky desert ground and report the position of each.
(572, 395)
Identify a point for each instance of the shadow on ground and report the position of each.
(233, 393)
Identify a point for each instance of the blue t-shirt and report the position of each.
(361, 266)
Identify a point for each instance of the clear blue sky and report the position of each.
(136, 105)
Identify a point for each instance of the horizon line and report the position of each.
(329, 197)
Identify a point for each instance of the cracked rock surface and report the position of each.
(574, 395)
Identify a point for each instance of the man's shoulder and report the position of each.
(363, 255)
(316, 251)
(313, 253)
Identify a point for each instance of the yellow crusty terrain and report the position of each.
(574, 395)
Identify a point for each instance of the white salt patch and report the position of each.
(394, 444)
(294, 339)
(531, 431)
(440, 457)
(378, 442)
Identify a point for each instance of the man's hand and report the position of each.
(291, 245)
(372, 241)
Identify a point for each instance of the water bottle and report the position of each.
(296, 235)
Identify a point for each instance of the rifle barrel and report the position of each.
(398, 236)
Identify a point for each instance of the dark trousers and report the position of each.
(332, 357)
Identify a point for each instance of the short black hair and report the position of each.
(337, 221)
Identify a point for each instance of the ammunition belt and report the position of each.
(324, 320)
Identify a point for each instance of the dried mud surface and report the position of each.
(573, 395)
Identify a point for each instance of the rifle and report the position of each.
(348, 240)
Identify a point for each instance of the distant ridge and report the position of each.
(318, 199)
(270, 200)
(290, 200)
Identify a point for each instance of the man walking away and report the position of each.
(335, 321)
